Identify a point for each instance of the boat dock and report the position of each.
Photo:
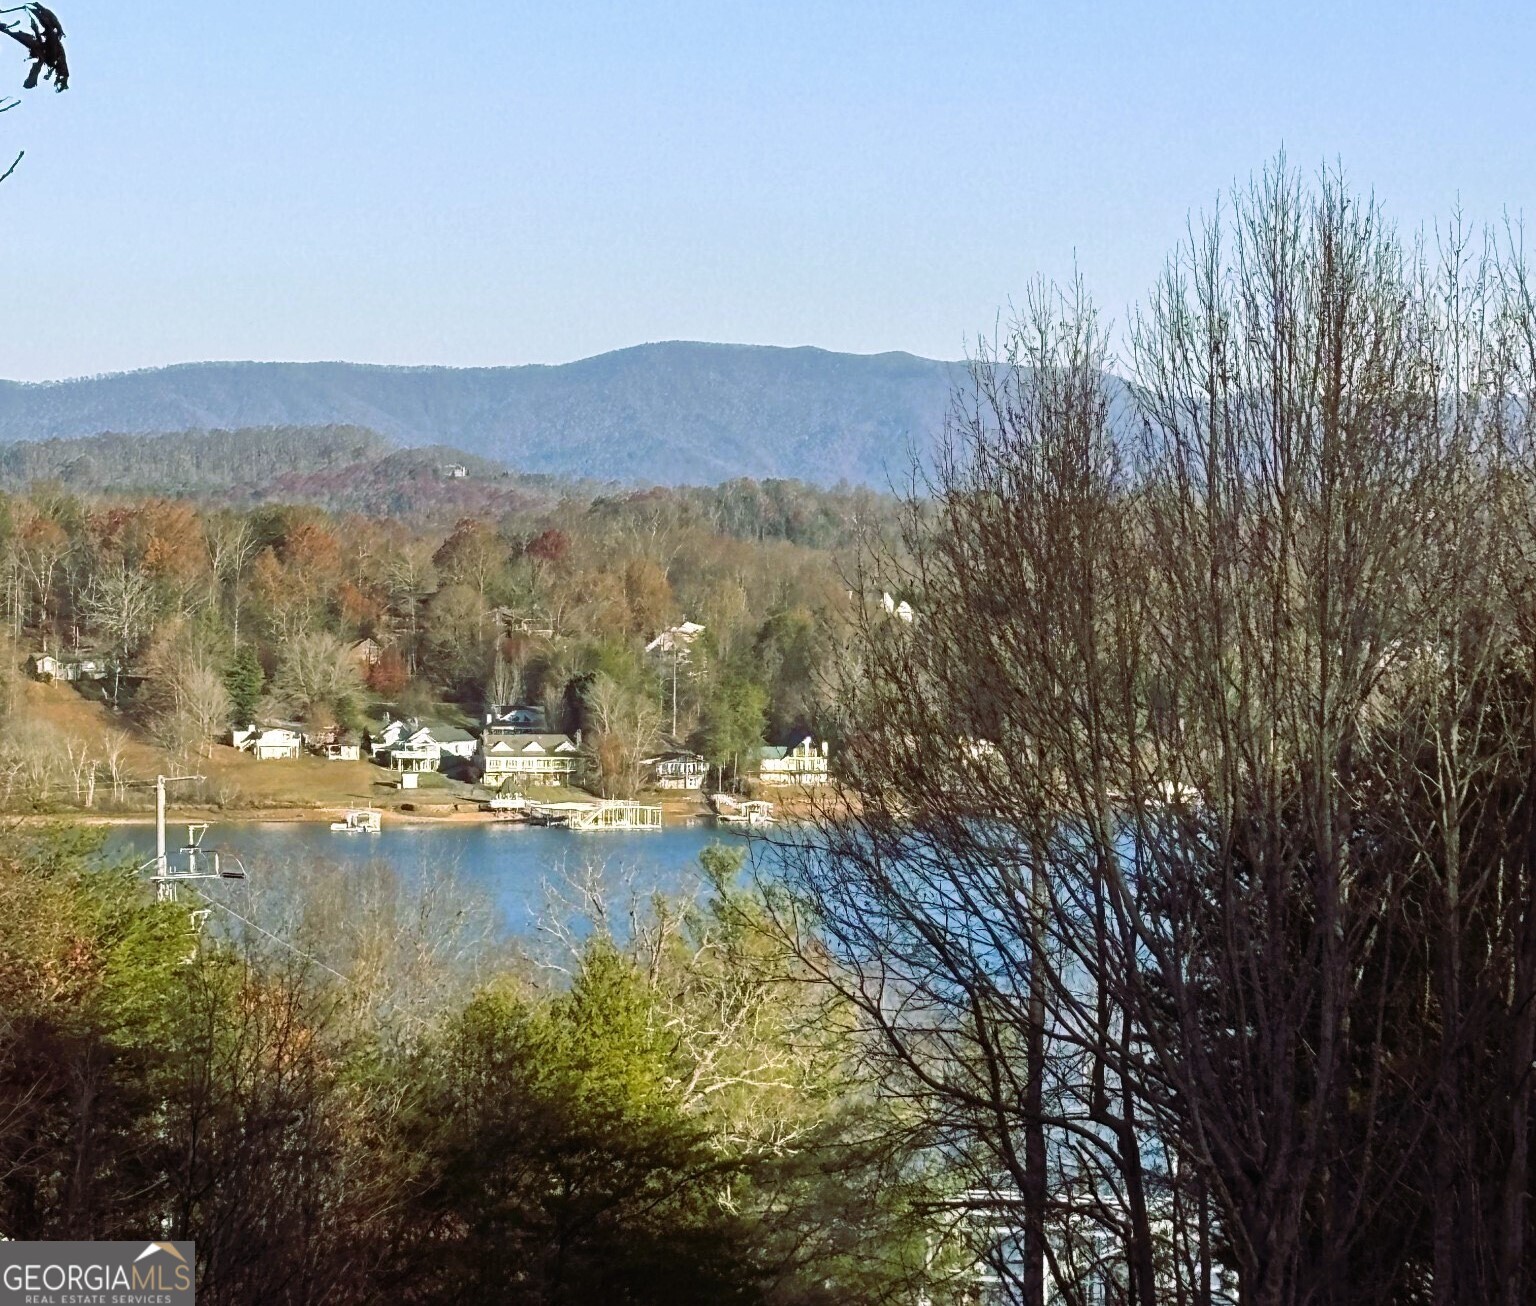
(611, 814)
(741, 811)
(360, 820)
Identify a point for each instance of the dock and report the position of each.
(611, 814)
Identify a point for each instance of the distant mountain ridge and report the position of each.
(674, 413)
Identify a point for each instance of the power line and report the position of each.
(345, 979)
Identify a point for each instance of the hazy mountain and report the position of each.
(675, 413)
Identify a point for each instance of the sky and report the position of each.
(501, 182)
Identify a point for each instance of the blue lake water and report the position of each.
(509, 864)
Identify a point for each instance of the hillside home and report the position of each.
(527, 759)
(44, 666)
(380, 741)
(676, 640)
(529, 720)
(517, 621)
(69, 667)
(676, 769)
(268, 743)
(804, 764)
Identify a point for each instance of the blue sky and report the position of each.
(490, 183)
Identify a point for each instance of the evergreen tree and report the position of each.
(245, 681)
(734, 717)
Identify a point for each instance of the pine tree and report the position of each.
(245, 681)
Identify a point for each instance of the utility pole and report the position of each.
(165, 878)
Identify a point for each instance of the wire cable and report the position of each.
(345, 979)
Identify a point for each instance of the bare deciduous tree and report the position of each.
(1188, 884)
(624, 728)
(119, 603)
(316, 672)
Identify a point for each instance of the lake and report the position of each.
(510, 864)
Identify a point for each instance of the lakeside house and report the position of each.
(527, 759)
(336, 744)
(676, 768)
(415, 746)
(268, 743)
(804, 764)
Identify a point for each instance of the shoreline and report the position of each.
(675, 813)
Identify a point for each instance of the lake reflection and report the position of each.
(508, 863)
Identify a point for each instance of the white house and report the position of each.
(527, 759)
(268, 743)
(804, 764)
(453, 741)
(44, 666)
(380, 741)
(422, 755)
(415, 746)
(71, 667)
(676, 639)
(678, 769)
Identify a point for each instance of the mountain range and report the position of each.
(674, 413)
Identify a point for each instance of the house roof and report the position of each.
(266, 736)
(444, 734)
(683, 634)
(510, 743)
(395, 729)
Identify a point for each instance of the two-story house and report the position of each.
(804, 764)
(527, 759)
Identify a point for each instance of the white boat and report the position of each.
(360, 820)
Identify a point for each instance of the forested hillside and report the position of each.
(674, 413)
(211, 612)
(346, 468)
(188, 462)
